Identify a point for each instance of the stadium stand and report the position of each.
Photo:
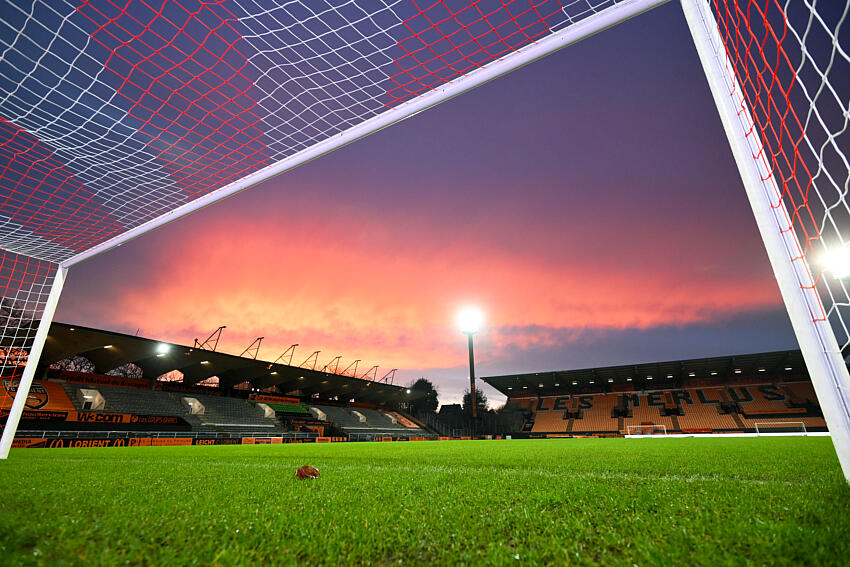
(128, 400)
(362, 423)
(729, 409)
(234, 415)
(700, 416)
(130, 407)
(710, 395)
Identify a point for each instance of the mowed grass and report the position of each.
(574, 501)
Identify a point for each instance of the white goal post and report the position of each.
(646, 430)
(764, 427)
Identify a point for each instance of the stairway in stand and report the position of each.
(738, 420)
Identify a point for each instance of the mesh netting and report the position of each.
(24, 284)
(113, 113)
(792, 63)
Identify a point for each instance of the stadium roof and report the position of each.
(653, 374)
(108, 350)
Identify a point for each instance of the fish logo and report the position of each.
(37, 397)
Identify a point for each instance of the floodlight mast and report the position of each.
(473, 397)
(469, 320)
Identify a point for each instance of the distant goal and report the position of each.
(646, 430)
(780, 428)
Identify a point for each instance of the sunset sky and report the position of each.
(587, 203)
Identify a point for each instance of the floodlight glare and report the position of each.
(469, 320)
(837, 261)
(162, 348)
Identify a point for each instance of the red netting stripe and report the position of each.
(24, 287)
(767, 77)
(43, 196)
(510, 35)
(203, 123)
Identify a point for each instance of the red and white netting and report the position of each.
(792, 61)
(115, 112)
(24, 286)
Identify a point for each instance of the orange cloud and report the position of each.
(388, 295)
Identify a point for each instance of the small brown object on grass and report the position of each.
(307, 472)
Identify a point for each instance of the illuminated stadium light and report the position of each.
(72, 329)
(407, 391)
(610, 380)
(273, 373)
(162, 348)
(593, 381)
(649, 377)
(692, 374)
(762, 370)
(540, 385)
(205, 362)
(160, 355)
(737, 371)
(788, 368)
(837, 262)
(714, 373)
(629, 379)
(510, 387)
(574, 382)
(108, 346)
(469, 320)
(556, 384)
(669, 376)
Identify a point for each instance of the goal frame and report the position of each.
(654, 426)
(574, 33)
(816, 338)
(800, 423)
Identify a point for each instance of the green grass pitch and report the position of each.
(741, 501)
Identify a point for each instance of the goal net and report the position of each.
(117, 117)
(645, 430)
(780, 427)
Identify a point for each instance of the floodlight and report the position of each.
(408, 390)
(162, 348)
(837, 261)
(469, 320)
